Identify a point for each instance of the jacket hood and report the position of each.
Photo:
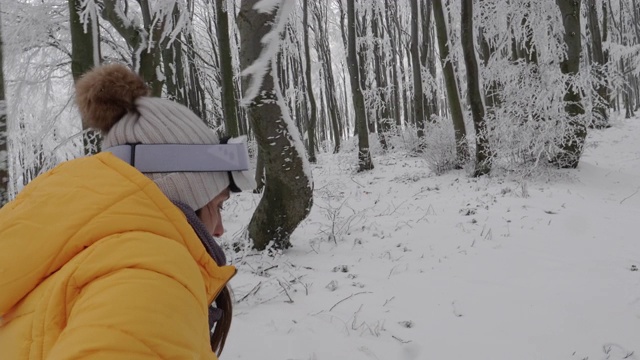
(77, 204)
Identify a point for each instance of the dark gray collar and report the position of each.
(214, 250)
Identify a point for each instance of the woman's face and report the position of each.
(210, 214)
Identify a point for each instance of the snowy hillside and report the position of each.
(400, 264)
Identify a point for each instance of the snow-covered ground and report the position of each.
(400, 264)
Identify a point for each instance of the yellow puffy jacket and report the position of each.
(96, 263)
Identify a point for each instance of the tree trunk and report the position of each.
(85, 54)
(362, 28)
(146, 57)
(483, 151)
(4, 148)
(605, 52)
(394, 62)
(229, 103)
(573, 141)
(383, 116)
(196, 93)
(418, 96)
(395, 42)
(462, 149)
(408, 96)
(625, 92)
(529, 48)
(364, 156)
(311, 128)
(174, 74)
(324, 52)
(287, 197)
(427, 61)
(600, 106)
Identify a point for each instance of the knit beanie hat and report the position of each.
(115, 100)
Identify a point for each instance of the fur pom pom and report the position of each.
(106, 93)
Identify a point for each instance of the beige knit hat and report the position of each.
(114, 99)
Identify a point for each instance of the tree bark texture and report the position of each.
(394, 68)
(229, 102)
(146, 58)
(383, 116)
(311, 127)
(287, 197)
(418, 96)
(83, 57)
(324, 53)
(453, 97)
(573, 141)
(427, 60)
(601, 105)
(483, 152)
(364, 155)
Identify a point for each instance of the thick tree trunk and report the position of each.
(311, 128)
(573, 141)
(229, 103)
(453, 97)
(287, 197)
(600, 106)
(85, 54)
(364, 155)
(483, 151)
(418, 96)
(4, 148)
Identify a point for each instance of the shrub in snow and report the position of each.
(439, 146)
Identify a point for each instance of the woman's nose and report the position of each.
(219, 230)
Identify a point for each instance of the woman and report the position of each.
(104, 257)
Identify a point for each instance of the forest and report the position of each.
(490, 86)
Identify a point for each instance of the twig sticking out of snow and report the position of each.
(349, 297)
(630, 196)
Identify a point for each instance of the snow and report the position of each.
(397, 263)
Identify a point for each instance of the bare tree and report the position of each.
(483, 152)
(323, 49)
(601, 103)
(428, 60)
(573, 141)
(147, 56)
(226, 69)
(85, 54)
(418, 96)
(391, 7)
(462, 149)
(311, 128)
(384, 103)
(364, 155)
(287, 197)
